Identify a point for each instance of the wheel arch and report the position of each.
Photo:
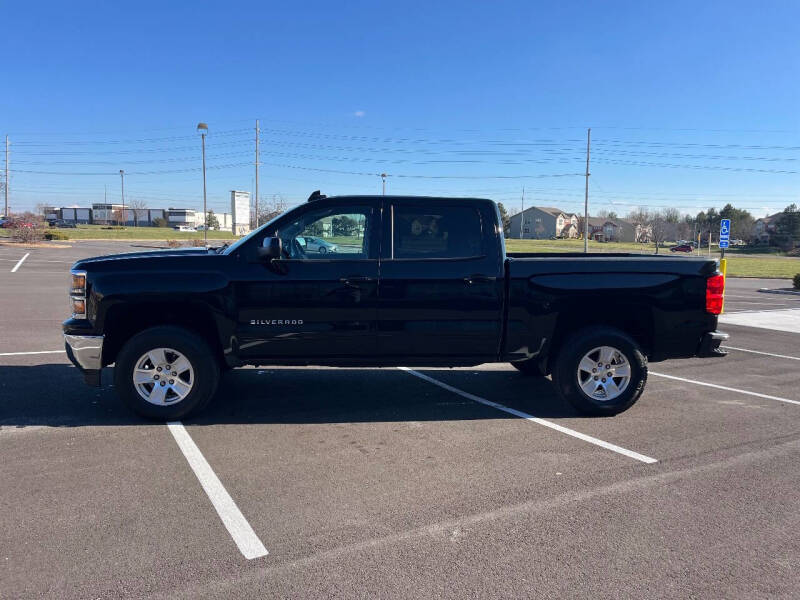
(124, 320)
(634, 320)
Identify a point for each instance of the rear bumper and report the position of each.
(710, 345)
(86, 353)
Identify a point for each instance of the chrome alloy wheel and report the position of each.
(604, 373)
(163, 376)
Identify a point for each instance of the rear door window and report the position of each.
(436, 232)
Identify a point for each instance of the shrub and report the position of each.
(173, 243)
(27, 235)
(796, 281)
(198, 243)
(159, 222)
(55, 235)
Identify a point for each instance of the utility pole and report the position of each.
(257, 133)
(522, 214)
(122, 181)
(586, 194)
(5, 214)
(383, 178)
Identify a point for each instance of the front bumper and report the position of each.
(710, 345)
(86, 353)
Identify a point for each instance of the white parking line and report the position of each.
(242, 533)
(36, 352)
(726, 388)
(764, 353)
(764, 303)
(21, 260)
(532, 419)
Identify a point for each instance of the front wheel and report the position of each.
(600, 371)
(166, 373)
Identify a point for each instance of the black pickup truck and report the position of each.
(386, 281)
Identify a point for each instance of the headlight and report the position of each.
(78, 283)
(77, 294)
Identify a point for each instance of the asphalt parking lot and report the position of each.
(395, 483)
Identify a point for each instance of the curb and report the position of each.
(785, 292)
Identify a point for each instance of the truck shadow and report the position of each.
(54, 395)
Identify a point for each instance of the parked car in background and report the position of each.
(312, 243)
(681, 248)
(62, 223)
(184, 228)
(17, 223)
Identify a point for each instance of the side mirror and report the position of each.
(271, 247)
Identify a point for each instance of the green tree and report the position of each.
(741, 221)
(314, 228)
(211, 220)
(343, 226)
(787, 229)
(505, 218)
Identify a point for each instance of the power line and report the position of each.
(695, 167)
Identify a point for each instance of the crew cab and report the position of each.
(415, 281)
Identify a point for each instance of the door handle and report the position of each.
(354, 281)
(478, 278)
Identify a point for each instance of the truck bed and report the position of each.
(661, 297)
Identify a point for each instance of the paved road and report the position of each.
(379, 482)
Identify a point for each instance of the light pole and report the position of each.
(383, 179)
(202, 128)
(122, 183)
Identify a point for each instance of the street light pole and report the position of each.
(5, 214)
(383, 179)
(203, 129)
(257, 133)
(122, 183)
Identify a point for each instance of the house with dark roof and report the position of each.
(542, 223)
(765, 227)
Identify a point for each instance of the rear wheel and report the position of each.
(323, 250)
(600, 371)
(166, 373)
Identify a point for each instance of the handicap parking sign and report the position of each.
(724, 233)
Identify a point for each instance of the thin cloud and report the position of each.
(359, 113)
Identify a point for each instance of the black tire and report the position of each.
(565, 371)
(196, 351)
(530, 367)
(322, 250)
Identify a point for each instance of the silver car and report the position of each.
(311, 243)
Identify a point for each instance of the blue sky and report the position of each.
(691, 104)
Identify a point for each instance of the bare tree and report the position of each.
(136, 204)
(268, 210)
(640, 219)
(607, 214)
(581, 229)
(659, 227)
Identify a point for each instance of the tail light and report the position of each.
(715, 294)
